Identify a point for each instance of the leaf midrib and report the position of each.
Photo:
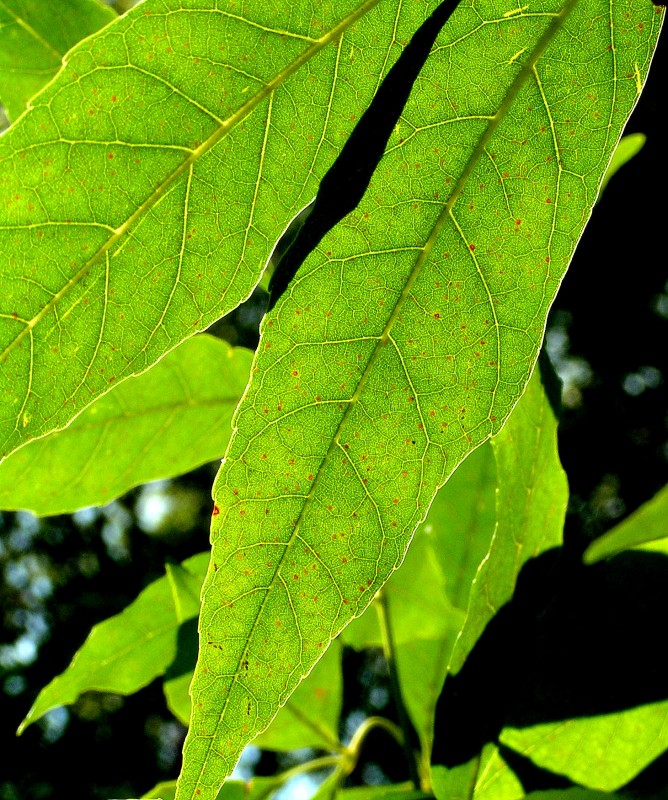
(385, 337)
(225, 127)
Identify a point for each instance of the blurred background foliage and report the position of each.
(606, 337)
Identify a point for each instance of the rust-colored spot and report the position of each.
(216, 511)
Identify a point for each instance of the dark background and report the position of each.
(608, 327)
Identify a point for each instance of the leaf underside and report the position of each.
(141, 194)
(403, 343)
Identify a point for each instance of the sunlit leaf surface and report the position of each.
(123, 653)
(163, 423)
(603, 752)
(403, 343)
(142, 194)
(531, 500)
(34, 37)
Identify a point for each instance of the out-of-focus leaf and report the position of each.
(428, 597)
(403, 343)
(455, 784)
(165, 422)
(123, 653)
(399, 791)
(574, 794)
(34, 37)
(487, 777)
(628, 147)
(429, 594)
(142, 193)
(185, 585)
(531, 504)
(603, 752)
(495, 779)
(648, 524)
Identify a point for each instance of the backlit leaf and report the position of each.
(603, 752)
(34, 37)
(141, 195)
(531, 501)
(163, 423)
(123, 653)
(403, 343)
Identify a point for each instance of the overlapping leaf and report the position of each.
(127, 651)
(34, 37)
(165, 422)
(143, 192)
(532, 495)
(403, 343)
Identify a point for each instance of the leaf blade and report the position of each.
(304, 433)
(123, 232)
(33, 40)
(162, 423)
(123, 653)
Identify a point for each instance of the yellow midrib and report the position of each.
(555, 25)
(223, 129)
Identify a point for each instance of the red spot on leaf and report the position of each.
(216, 511)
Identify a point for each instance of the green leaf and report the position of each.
(399, 791)
(123, 653)
(141, 195)
(531, 502)
(255, 789)
(486, 777)
(628, 147)
(429, 594)
(457, 783)
(163, 423)
(573, 794)
(603, 752)
(185, 585)
(428, 597)
(403, 343)
(34, 36)
(647, 524)
(310, 718)
(495, 779)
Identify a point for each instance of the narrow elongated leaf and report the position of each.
(310, 718)
(403, 343)
(255, 789)
(604, 752)
(531, 501)
(141, 195)
(165, 422)
(123, 653)
(34, 37)
(648, 524)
